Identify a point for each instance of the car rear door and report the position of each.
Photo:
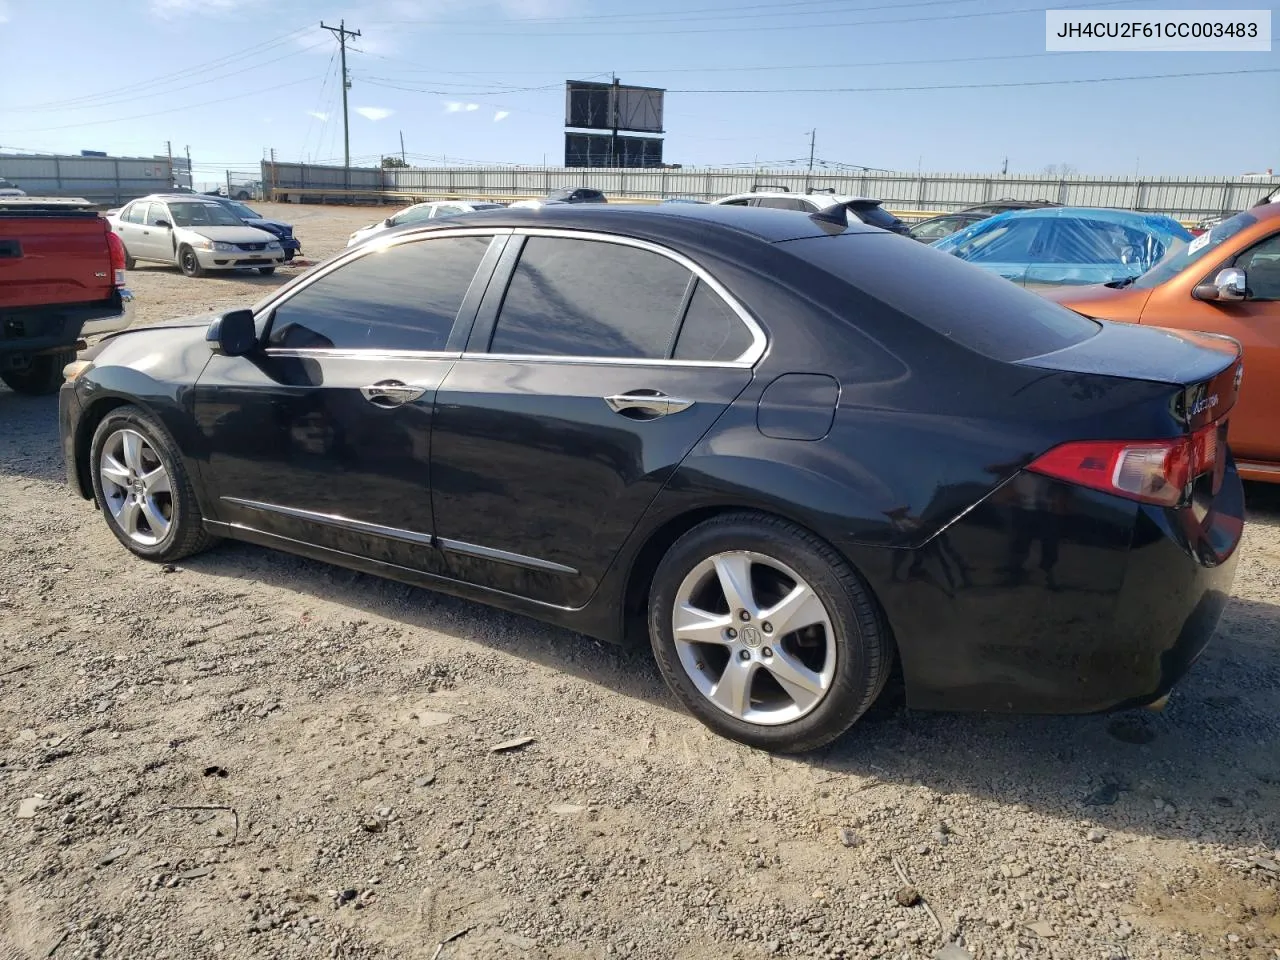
(324, 435)
(595, 364)
(130, 227)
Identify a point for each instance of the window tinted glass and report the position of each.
(976, 309)
(586, 298)
(404, 297)
(711, 330)
(1006, 242)
(1180, 255)
(875, 215)
(412, 215)
(783, 203)
(736, 203)
(1261, 266)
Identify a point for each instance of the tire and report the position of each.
(184, 533)
(42, 376)
(266, 271)
(189, 263)
(129, 262)
(773, 553)
(289, 255)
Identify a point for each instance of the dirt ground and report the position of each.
(256, 756)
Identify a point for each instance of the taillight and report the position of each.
(1151, 471)
(116, 246)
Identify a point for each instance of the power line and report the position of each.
(252, 51)
(987, 86)
(157, 113)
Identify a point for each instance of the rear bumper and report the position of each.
(44, 329)
(1049, 598)
(96, 328)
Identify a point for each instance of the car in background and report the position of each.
(419, 213)
(563, 195)
(1225, 281)
(864, 208)
(195, 234)
(682, 200)
(1053, 246)
(790, 454)
(10, 189)
(282, 231)
(1005, 206)
(935, 228)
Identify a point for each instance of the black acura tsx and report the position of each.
(792, 451)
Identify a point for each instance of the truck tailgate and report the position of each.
(51, 260)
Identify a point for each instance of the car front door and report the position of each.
(323, 435)
(157, 234)
(594, 366)
(1255, 322)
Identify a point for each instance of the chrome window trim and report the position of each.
(749, 357)
(352, 353)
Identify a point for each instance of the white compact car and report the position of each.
(417, 213)
(864, 208)
(195, 234)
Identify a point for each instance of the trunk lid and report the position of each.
(1204, 369)
(52, 257)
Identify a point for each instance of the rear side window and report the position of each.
(404, 297)
(783, 203)
(588, 298)
(711, 331)
(967, 304)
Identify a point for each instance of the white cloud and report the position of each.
(322, 117)
(501, 115)
(472, 106)
(455, 106)
(374, 113)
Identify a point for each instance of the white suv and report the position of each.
(865, 209)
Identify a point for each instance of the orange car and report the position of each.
(1225, 281)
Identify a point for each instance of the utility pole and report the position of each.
(402, 159)
(191, 174)
(613, 142)
(341, 32)
(1005, 168)
(168, 148)
(813, 134)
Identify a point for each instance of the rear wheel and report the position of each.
(39, 375)
(189, 262)
(766, 634)
(143, 489)
(129, 262)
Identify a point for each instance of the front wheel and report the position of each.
(143, 489)
(40, 375)
(766, 634)
(266, 271)
(190, 263)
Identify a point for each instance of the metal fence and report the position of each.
(911, 195)
(99, 179)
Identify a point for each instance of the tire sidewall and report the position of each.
(134, 419)
(183, 253)
(843, 703)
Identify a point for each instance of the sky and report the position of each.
(468, 81)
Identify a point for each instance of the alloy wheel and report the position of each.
(754, 637)
(135, 486)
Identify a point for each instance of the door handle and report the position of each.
(392, 393)
(646, 404)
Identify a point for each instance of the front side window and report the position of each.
(155, 213)
(404, 297)
(1261, 266)
(589, 298)
(136, 213)
(412, 215)
(1182, 255)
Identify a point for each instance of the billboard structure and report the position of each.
(613, 107)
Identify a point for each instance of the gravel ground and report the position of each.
(253, 755)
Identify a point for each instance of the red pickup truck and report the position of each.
(61, 279)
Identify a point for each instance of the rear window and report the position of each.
(874, 214)
(976, 309)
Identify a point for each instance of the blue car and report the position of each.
(283, 231)
(1058, 246)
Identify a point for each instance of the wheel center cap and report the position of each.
(750, 636)
(137, 486)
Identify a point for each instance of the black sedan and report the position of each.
(789, 450)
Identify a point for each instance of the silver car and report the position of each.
(194, 234)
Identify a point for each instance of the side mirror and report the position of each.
(389, 222)
(1230, 284)
(163, 223)
(233, 334)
